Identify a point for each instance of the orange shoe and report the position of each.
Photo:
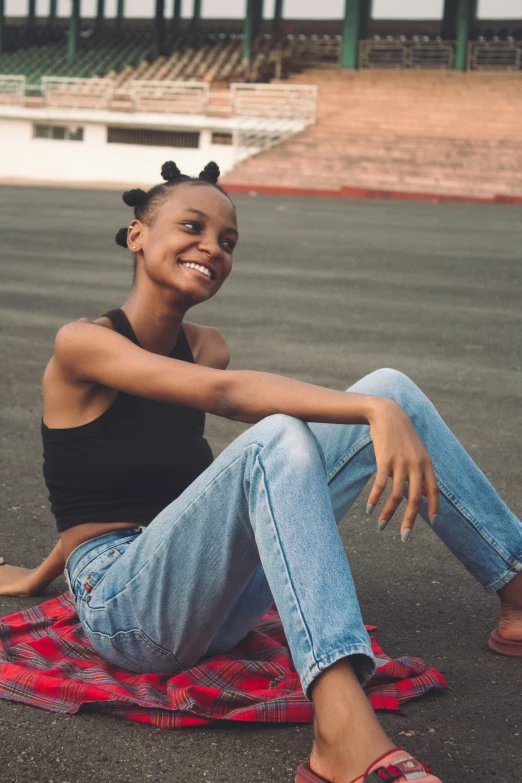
(394, 766)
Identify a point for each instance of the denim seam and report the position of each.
(340, 464)
(506, 577)
(185, 510)
(162, 651)
(94, 557)
(450, 497)
(293, 592)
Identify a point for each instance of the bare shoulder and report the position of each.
(208, 345)
(72, 336)
(69, 399)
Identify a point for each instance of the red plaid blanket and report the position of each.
(47, 661)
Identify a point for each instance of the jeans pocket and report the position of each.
(133, 651)
(87, 583)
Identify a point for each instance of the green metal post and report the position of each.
(100, 15)
(176, 16)
(52, 11)
(196, 16)
(120, 14)
(74, 29)
(278, 16)
(159, 29)
(354, 11)
(258, 18)
(2, 25)
(448, 29)
(248, 33)
(31, 13)
(466, 15)
(365, 18)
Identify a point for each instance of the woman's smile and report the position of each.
(201, 271)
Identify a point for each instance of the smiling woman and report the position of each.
(146, 207)
(172, 555)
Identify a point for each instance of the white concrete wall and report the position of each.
(93, 159)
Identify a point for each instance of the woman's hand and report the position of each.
(19, 581)
(399, 453)
(31, 581)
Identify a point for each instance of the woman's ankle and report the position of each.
(510, 624)
(345, 759)
(348, 736)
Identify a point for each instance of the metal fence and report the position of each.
(276, 101)
(407, 54)
(482, 55)
(172, 97)
(76, 93)
(495, 56)
(12, 90)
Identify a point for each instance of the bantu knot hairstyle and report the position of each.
(146, 203)
(169, 171)
(210, 173)
(133, 198)
(121, 237)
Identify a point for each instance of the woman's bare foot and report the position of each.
(18, 581)
(348, 737)
(510, 624)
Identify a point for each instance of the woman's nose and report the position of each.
(211, 246)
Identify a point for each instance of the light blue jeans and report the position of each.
(260, 526)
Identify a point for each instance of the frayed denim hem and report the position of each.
(364, 665)
(506, 577)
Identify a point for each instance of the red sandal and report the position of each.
(504, 646)
(395, 765)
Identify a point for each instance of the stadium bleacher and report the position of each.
(215, 56)
(413, 131)
(436, 131)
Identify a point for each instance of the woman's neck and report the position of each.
(156, 325)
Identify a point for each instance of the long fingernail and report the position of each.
(369, 508)
(382, 524)
(406, 535)
(433, 519)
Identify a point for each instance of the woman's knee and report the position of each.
(292, 434)
(281, 425)
(394, 384)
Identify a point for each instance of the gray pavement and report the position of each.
(325, 291)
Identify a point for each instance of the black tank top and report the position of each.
(130, 462)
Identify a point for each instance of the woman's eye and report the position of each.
(228, 244)
(191, 225)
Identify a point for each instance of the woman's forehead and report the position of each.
(203, 199)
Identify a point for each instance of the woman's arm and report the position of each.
(31, 581)
(86, 353)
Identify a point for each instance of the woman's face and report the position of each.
(196, 225)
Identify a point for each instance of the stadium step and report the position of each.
(443, 132)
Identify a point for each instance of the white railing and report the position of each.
(253, 134)
(406, 54)
(277, 101)
(495, 55)
(12, 90)
(268, 114)
(171, 97)
(75, 93)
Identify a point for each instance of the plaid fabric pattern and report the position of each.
(46, 661)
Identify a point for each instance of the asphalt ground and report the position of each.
(325, 291)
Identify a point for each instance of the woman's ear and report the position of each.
(135, 235)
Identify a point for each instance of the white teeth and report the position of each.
(199, 268)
